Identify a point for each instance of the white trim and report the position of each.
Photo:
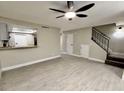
(123, 75)
(72, 54)
(94, 59)
(77, 55)
(89, 58)
(29, 63)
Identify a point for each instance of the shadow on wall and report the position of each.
(117, 36)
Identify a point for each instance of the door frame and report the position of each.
(70, 43)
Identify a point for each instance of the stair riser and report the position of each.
(114, 64)
(116, 59)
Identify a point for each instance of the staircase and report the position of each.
(103, 40)
(115, 60)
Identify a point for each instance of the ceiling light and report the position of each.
(119, 33)
(70, 14)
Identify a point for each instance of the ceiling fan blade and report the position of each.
(70, 4)
(60, 16)
(57, 10)
(81, 15)
(84, 8)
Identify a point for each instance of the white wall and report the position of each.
(83, 36)
(116, 42)
(48, 46)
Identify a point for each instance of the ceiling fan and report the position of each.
(71, 14)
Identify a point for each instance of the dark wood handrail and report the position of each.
(100, 32)
(101, 39)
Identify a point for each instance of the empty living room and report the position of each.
(61, 45)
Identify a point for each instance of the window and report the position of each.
(20, 37)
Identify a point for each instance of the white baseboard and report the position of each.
(98, 60)
(123, 75)
(71, 54)
(29, 63)
(90, 58)
(77, 55)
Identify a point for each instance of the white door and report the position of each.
(69, 44)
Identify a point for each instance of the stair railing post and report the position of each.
(108, 47)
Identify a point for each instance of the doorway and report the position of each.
(69, 44)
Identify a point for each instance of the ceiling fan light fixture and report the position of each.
(70, 14)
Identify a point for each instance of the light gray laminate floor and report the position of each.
(66, 73)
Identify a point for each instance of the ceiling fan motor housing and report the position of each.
(70, 4)
(70, 19)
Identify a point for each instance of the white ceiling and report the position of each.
(38, 12)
